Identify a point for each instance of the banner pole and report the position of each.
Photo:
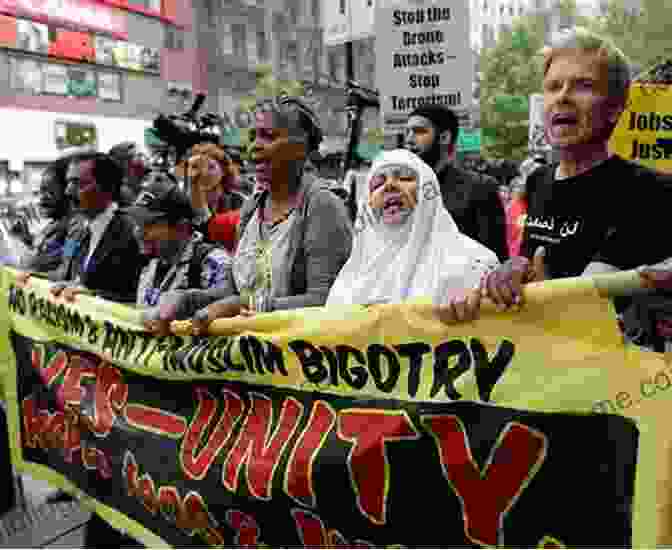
(607, 285)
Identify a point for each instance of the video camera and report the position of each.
(185, 130)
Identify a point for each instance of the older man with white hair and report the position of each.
(592, 211)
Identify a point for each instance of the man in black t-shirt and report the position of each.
(591, 212)
(606, 215)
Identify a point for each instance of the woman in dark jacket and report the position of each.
(295, 234)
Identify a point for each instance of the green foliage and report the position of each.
(644, 37)
(514, 67)
(511, 68)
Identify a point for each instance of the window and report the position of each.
(292, 8)
(152, 5)
(293, 58)
(239, 34)
(334, 66)
(75, 134)
(511, 12)
(315, 8)
(210, 14)
(341, 7)
(109, 86)
(262, 46)
(174, 39)
(56, 79)
(26, 76)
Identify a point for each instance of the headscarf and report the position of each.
(424, 257)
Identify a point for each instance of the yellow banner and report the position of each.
(644, 131)
(562, 354)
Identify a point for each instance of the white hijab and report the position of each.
(424, 257)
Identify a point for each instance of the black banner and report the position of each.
(206, 464)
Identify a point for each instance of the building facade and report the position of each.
(241, 35)
(89, 72)
(287, 35)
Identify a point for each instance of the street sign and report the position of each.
(152, 139)
(469, 141)
(347, 20)
(423, 57)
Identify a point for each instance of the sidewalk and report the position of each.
(42, 525)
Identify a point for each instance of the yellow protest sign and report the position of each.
(346, 426)
(644, 131)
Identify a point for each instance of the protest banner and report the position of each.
(423, 57)
(357, 426)
(644, 131)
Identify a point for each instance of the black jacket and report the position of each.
(474, 203)
(113, 271)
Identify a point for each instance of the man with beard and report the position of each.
(472, 200)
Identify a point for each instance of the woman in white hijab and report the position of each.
(407, 245)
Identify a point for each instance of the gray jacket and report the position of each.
(321, 244)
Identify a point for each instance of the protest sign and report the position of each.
(347, 20)
(422, 57)
(537, 142)
(348, 426)
(644, 131)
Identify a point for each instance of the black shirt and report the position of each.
(615, 213)
(473, 201)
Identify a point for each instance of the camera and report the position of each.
(183, 131)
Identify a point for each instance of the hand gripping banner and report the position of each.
(354, 427)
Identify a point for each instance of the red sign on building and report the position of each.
(83, 14)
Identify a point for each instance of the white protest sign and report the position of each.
(347, 20)
(537, 138)
(423, 57)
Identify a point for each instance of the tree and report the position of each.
(512, 67)
(641, 34)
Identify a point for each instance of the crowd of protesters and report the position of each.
(428, 227)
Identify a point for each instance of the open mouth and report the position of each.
(564, 119)
(392, 203)
(392, 207)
